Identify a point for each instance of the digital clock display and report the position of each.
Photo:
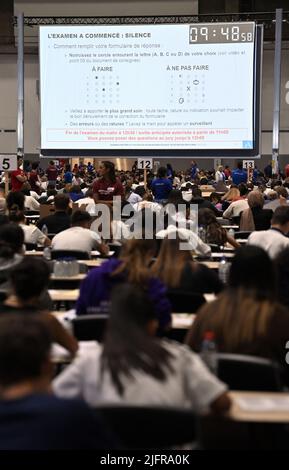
(221, 33)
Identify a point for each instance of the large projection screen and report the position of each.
(161, 90)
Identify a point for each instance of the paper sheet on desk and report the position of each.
(261, 404)
(97, 253)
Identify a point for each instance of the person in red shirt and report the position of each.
(287, 170)
(108, 185)
(34, 179)
(18, 178)
(52, 173)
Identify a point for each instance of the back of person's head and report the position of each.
(29, 278)
(215, 233)
(136, 256)
(253, 270)
(281, 216)
(61, 202)
(215, 197)
(11, 240)
(15, 201)
(281, 191)
(240, 166)
(80, 218)
(175, 197)
(171, 261)
(162, 172)
(35, 165)
(255, 199)
(232, 194)
(25, 344)
(243, 188)
(129, 344)
(196, 192)
(51, 163)
(75, 188)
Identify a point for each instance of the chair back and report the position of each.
(185, 302)
(46, 209)
(242, 372)
(89, 327)
(149, 427)
(242, 235)
(57, 254)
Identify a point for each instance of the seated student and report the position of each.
(133, 267)
(201, 202)
(75, 193)
(275, 239)
(215, 233)
(27, 297)
(79, 236)
(134, 367)
(256, 218)
(246, 318)
(60, 220)
(31, 417)
(232, 195)
(32, 234)
(11, 251)
(177, 270)
(239, 205)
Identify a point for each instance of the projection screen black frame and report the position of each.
(188, 153)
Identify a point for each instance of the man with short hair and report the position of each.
(60, 220)
(79, 237)
(274, 240)
(31, 417)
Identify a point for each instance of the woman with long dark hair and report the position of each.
(108, 185)
(246, 318)
(133, 366)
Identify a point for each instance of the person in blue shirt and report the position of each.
(194, 170)
(239, 175)
(161, 185)
(67, 174)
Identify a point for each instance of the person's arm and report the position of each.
(228, 212)
(59, 334)
(41, 238)
(233, 242)
(21, 178)
(68, 384)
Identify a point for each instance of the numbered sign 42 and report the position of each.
(144, 163)
(8, 162)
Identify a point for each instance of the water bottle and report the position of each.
(44, 230)
(202, 233)
(47, 253)
(209, 352)
(231, 233)
(224, 268)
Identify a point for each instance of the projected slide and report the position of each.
(147, 86)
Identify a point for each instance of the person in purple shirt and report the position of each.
(161, 185)
(132, 267)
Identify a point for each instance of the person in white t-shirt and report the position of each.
(274, 240)
(134, 367)
(79, 237)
